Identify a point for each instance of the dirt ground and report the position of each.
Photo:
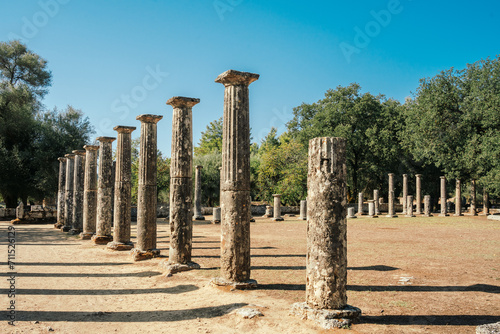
(408, 275)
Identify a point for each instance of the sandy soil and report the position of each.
(408, 275)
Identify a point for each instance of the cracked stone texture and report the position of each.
(390, 200)
(376, 200)
(78, 180)
(418, 195)
(90, 191)
(104, 190)
(68, 205)
(427, 205)
(444, 209)
(405, 192)
(181, 226)
(61, 191)
(197, 195)
(303, 210)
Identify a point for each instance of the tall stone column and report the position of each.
(376, 201)
(486, 203)
(390, 201)
(418, 195)
(61, 193)
(405, 192)
(360, 204)
(123, 190)
(303, 210)
(409, 206)
(146, 195)
(458, 198)
(427, 206)
(444, 209)
(78, 179)
(235, 183)
(197, 194)
(181, 190)
(326, 261)
(104, 191)
(90, 192)
(277, 208)
(473, 210)
(68, 204)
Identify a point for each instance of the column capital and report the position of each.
(199, 167)
(148, 118)
(277, 195)
(181, 101)
(442, 177)
(124, 129)
(405, 175)
(69, 156)
(106, 139)
(91, 147)
(418, 175)
(79, 152)
(61, 159)
(390, 174)
(233, 78)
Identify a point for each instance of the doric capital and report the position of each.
(391, 174)
(91, 147)
(106, 139)
(124, 129)
(182, 102)
(405, 175)
(148, 118)
(418, 175)
(61, 159)
(233, 78)
(69, 156)
(79, 152)
(199, 167)
(442, 177)
(277, 195)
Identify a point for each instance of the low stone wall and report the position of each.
(8, 213)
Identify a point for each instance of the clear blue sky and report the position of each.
(101, 51)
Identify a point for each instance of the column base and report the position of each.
(443, 215)
(58, 225)
(199, 218)
(267, 216)
(279, 219)
(372, 216)
(120, 246)
(392, 216)
(221, 282)
(86, 235)
(101, 239)
(215, 221)
(305, 218)
(326, 318)
(65, 228)
(173, 268)
(75, 231)
(139, 255)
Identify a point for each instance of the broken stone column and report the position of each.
(61, 193)
(418, 195)
(303, 210)
(427, 206)
(486, 203)
(351, 213)
(181, 190)
(405, 192)
(104, 192)
(277, 208)
(235, 183)
(123, 190)
(90, 192)
(458, 198)
(473, 210)
(269, 212)
(371, 209)
(145, 247)
(409, 206)
(326, 261)
(216, 219)
(376, 201)
(197, 195)
(78, 187)
(390, 201)
(444, 209)
(68, 205)
(20, 211)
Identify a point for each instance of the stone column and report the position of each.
(123, 190)
(409, 206)
(68, 205)
(90, 192)
(78, 179)
(303, 210)
(235, 183)
(104, 192)
(444, 209)
(61, 193)
(350, 213)
(473, 210)
(371, 209)
(216, 219)
(390, 201)
(326, 261)
(360, 204)
(269, 212)
(418, 195)
(405, 192)
(427, 206)
(20, 211)
(458, 198)
(277, 208)
(146, 195)
(376, 201)
(181, 189)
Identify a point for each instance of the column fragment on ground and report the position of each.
(444, 209)
(405, 192)
(68, 204)
(277, 208)
(427, 206)
(235, 182)
(390, 201)
(90, 192)
(360, 204)
(78, 187)
(326, 261)
(473, 210)
(181, 190)
(61, 193)
(418, 195)
(303, 210)
(104, 192)
(458, 198)
(146, 195)
(123, 190)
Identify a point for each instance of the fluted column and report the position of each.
(90, 192)
(145, 247)
(104, 191)
(458, 198)
(197, 195)
(79, 182)
(405, 192)
(390, 201)
(409, 206)
(61, 193)
(444, 209)
(68, 204)
(418, 195)
(235, 183)
(123, 190)
(277, 208)
(427, 206)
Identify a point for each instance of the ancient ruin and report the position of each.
(197, 194)
(418, 195)
(405, 192)
(90, 192)
(303, 210)
(390, 201)
(61, 193)
(68, 204)
(444, 208)
(78, 186)
(277, 208)
(458, 198)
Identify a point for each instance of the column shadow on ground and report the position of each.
(435, 320)
(139, 274)
(107, 292)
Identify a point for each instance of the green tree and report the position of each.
(211, 139)
(210, 177)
